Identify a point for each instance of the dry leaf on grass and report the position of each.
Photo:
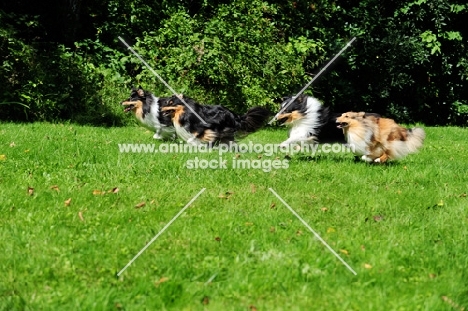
(139, 205)
(378, 218)
(97, 192)
(367, 266)
(226, 195)
(206, 300)
(80, 214)
(161, 280)
(30, 190)
(55, 187)
(67, 202)
(253, 188)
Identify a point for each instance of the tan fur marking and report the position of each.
(291, 117)
(208, 136)
(179, 111)
(137, 108)
(283, 116)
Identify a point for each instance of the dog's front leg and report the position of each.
(158, 135)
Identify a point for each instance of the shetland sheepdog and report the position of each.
(305, 116)
(147, 109)
(379, 139)
(311, 122)
(221, 124)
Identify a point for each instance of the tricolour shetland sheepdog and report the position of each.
(379, 139)
(221, 124)
(147, 109)
(305, 116)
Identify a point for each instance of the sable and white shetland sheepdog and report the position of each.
(305, 116)
(221, 123)
(147, 109)
(379, 139)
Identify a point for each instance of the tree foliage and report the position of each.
(65, 61)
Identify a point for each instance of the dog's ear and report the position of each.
(361, 114)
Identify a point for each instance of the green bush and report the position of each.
(408, 62)
(237, 58)
(48, 83)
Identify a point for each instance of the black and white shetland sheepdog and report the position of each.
(147, 109)
(221, 124)
(305, 116)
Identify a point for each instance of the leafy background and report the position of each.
(65, 62)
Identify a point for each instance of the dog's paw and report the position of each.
(367, 158)
(377, 160)
(157, 136)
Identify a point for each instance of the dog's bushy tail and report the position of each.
(253, 119)
(414, 141)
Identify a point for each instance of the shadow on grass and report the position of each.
(326, 158)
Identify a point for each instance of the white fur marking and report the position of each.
(303, 128)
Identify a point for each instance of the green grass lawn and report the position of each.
(403, 227)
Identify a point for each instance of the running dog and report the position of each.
(379, 139)
(206, 124)
(310, 122)
(147, 109)
(305, 116)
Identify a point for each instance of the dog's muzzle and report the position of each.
(342, 125)
(127, 107)
(282, 118)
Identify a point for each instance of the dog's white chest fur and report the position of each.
(359, 140)
(357, 143)
(151, 121)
